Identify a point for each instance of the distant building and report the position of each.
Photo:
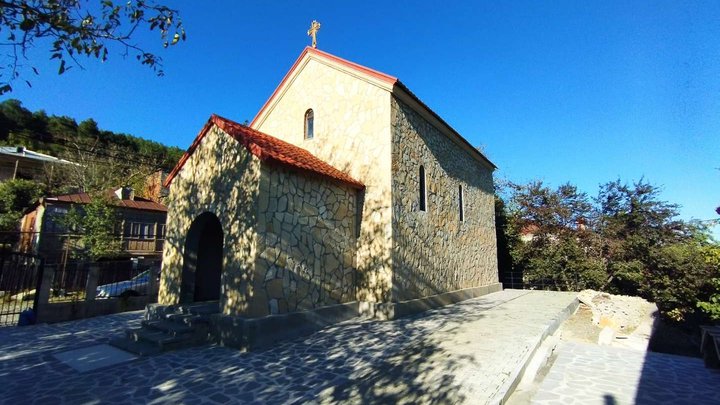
(141, 227)
(17, 162)
(154, 189)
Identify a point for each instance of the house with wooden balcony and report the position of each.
(140, 225)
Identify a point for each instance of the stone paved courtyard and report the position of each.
(467, 352)
(590, 374)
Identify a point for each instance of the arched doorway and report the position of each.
(202, 268)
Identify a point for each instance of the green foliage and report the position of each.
(712, 306)
(558, 253)
(108, 159)
(74, 28)
(677, 278)
(634, 222)
(627, 241)
(96, 223)
(15, 197)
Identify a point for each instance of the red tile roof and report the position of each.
(268, 149)
(137, 203)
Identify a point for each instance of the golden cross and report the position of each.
(314, 28)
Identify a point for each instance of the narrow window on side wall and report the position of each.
(309, 124)
(423, 191)
(461, 206)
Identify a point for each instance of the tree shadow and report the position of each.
(671, 378)
(408, 360)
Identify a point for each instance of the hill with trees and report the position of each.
(103, 159)
(106, 159)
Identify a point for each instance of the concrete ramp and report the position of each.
(472, 352)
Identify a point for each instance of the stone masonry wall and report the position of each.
(352, 133)
(306, 243)
(221, 177)
(433, 251)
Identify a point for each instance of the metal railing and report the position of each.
(19, 279)
(112, 279)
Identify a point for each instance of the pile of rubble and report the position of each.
(624, 320)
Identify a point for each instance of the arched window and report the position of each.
(423, 191)
(309, 124)
(461, 206)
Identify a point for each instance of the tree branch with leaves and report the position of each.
(81, 28)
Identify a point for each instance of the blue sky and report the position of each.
(558, 91)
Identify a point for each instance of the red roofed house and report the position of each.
(141, 225)
(344, 189)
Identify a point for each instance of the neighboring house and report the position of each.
(529, 231)
(345, 187)
(141, 225)
(18, 162)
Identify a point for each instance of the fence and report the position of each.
(56, 292)
(85, 289)
(19, 277)
(113, 279)
(62, 247)
(519, 280)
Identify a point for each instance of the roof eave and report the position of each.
(310, 173)
(405, 91)
(221, 123)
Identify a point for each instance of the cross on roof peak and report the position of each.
(314, 28)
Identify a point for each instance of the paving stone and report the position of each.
(589, 374)
(460, 353)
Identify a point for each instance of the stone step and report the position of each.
(169, 327)
(205, 308)
(138, 348)
(186, 319)
(159, 338)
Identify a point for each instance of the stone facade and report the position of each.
(290, 239)
(433, 250)
(306, 243)
(352, 133)
(220, 177)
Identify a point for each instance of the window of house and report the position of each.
(134, 229)
(161, 231)
(148, 231)
(422, 191)
(309, 124)
(461, 205)
(54, 224)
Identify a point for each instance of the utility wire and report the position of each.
(77, 148)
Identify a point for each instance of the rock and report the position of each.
(606, 322)
(607, 335)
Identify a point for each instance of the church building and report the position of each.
(345, 189)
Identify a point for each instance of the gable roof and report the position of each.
(268, 149)
(390, 83)
(137, 203)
